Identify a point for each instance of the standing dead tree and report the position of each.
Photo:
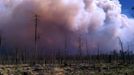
(98, 53)
(36, 38)
(128, 54)
(0, 45)
(87, 53)
(0, 39)
(80, 47)
(122, 50)
(65, 49)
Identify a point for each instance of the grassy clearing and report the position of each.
(71, 69)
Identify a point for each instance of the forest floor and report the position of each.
(71, 69)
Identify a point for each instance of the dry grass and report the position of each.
(74, 69)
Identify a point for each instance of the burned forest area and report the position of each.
(66, 37)
(60, 62)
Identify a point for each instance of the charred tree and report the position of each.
(98, 53)
(87, 53)
(80, 47)
(122, 53)
(65, 49)
(0, 46)
(36, 38)
(128, 55)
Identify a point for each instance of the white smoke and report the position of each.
(101, 20)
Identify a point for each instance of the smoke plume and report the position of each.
(63, 22)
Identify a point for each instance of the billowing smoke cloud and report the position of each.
(99, 22)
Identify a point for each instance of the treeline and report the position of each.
(28, 57)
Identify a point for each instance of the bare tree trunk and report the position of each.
(98, 53)
(0, 46)
(128, 51)
(36, 39)
(87, 47)
(122, 50)
(65, 50)
(87, 51)
(80, 48)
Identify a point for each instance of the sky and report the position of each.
(126, 7)
(86, 23)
